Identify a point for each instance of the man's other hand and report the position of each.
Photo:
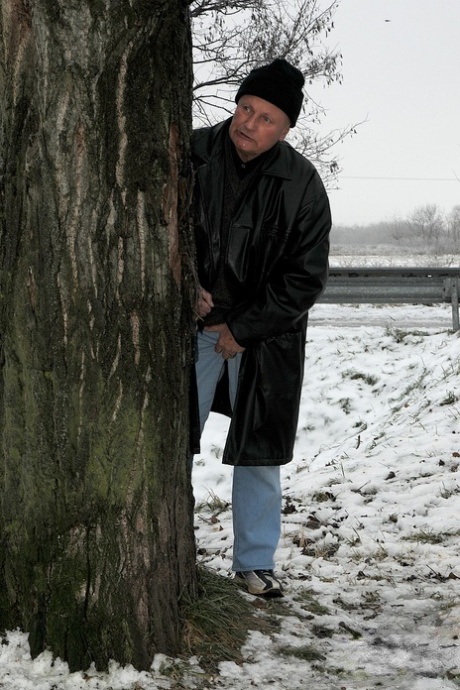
(204, 303)
(226, 344)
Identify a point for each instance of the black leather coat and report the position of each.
(278, 262)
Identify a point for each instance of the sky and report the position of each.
(368, 556)
(401, 61)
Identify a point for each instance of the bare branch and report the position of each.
(231, 37)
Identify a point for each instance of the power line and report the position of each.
(400, 179)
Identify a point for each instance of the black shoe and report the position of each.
(260, 582)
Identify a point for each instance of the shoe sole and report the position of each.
(267, 594)
(270, 594)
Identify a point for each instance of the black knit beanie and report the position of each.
(279, 83)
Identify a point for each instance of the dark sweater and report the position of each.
(238, 178)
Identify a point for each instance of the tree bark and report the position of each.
(96, 528)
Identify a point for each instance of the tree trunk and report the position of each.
(96, 532)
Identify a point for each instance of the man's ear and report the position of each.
(284, 134)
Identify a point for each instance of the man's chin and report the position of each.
(245, 153)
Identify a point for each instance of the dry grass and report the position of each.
(217, 621)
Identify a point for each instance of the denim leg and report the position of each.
(209, 367)
(256, 503)
(256, 495)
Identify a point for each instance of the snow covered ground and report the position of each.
(370, 550)
(384, 255)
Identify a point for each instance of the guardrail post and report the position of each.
(454, 300)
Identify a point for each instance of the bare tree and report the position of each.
(96, 519)
(232, 37)
(453, 229)
(427, 226)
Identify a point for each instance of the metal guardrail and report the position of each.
(395, 285)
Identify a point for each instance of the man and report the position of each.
(262, 225)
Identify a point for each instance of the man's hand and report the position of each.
(204, 303)
(226, 344)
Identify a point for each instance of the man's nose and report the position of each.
(251, 122)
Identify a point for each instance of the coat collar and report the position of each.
(208, 145)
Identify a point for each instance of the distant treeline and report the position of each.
(427, 229)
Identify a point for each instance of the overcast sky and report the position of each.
(401, 74)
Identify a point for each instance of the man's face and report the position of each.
(256, 126)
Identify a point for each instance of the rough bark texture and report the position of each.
(96, 536)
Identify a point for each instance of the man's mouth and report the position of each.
(243, 135)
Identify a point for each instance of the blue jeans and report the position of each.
(256, 492)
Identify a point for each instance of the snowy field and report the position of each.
(383, 255)
(369, 554)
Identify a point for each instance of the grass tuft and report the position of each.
(357, 375)
(213, 503)
(309, 603)
(217, 621)
(425, 537)
(450, 399)
(305, 652)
